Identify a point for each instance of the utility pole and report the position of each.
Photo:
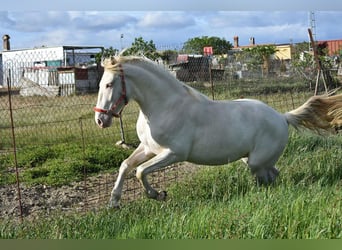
(312, 22)
(319, 66)
(121, 41)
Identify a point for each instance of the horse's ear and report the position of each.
(113, 60)
(103, 61)
(109, 61)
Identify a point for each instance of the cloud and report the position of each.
(38, 21)
(5, 20)
(265, 27)
(57, 37)
(99, 21)
(328, 25)
(188, 5)
(242, 19)
(166, 20)
(166, 28)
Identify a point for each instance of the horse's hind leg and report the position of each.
(263, 166)
(264, 175)
(263, 158)
(161, 160)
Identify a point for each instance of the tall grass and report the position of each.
(215, 202)
(223, 202)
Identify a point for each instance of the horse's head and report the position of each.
(112, 93)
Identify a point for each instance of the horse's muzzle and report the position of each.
(103, 120)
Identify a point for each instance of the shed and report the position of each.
(71, 69)
(191, 68)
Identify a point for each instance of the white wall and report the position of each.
(15, 61)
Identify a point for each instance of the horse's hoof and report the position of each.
(112, 206)
(123, 145)
(162, 196)
(267, 176)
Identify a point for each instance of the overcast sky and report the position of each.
(168, 26)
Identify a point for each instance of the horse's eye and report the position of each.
(108, 85)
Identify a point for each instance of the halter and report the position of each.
(123, 97)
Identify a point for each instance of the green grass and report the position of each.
(215, 202)
(62, 163)
(223, 203)
(50, 135)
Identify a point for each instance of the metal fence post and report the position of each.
(14, 146)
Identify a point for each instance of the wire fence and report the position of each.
(44, 103)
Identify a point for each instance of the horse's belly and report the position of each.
(217, 155)
(214, 161)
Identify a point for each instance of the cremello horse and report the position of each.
(177, 123)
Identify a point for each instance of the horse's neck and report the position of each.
(154, 87)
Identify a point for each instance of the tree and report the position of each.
(303, 61)
(195, 45)
(142, 47)
(169, 56)
(108, 52)
(261, 54)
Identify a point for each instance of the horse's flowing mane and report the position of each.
(112, 64)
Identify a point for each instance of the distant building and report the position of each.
(334, 47)
(282, 57)
(284, 51)
(68, 69)
(190, 68)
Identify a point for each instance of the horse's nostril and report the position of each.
(99, 122)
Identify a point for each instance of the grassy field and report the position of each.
(56, 138)
(213, 203)
(223, 202)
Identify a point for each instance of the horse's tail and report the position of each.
(319, 113)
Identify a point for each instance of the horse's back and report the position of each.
(249, 113)
(234, 129)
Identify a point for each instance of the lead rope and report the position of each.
(123, 84)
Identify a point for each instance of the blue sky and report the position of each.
(167, 23)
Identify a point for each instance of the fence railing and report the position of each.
(30, 119)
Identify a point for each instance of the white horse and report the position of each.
(177, 123)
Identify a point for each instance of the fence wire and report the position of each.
(52, 105)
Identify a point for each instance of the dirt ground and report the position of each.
(90, 194)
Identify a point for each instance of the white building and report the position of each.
(68, 69)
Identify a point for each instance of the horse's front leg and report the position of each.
(161, 160)
(137, 157)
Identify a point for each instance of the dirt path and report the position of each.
(90, 194)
